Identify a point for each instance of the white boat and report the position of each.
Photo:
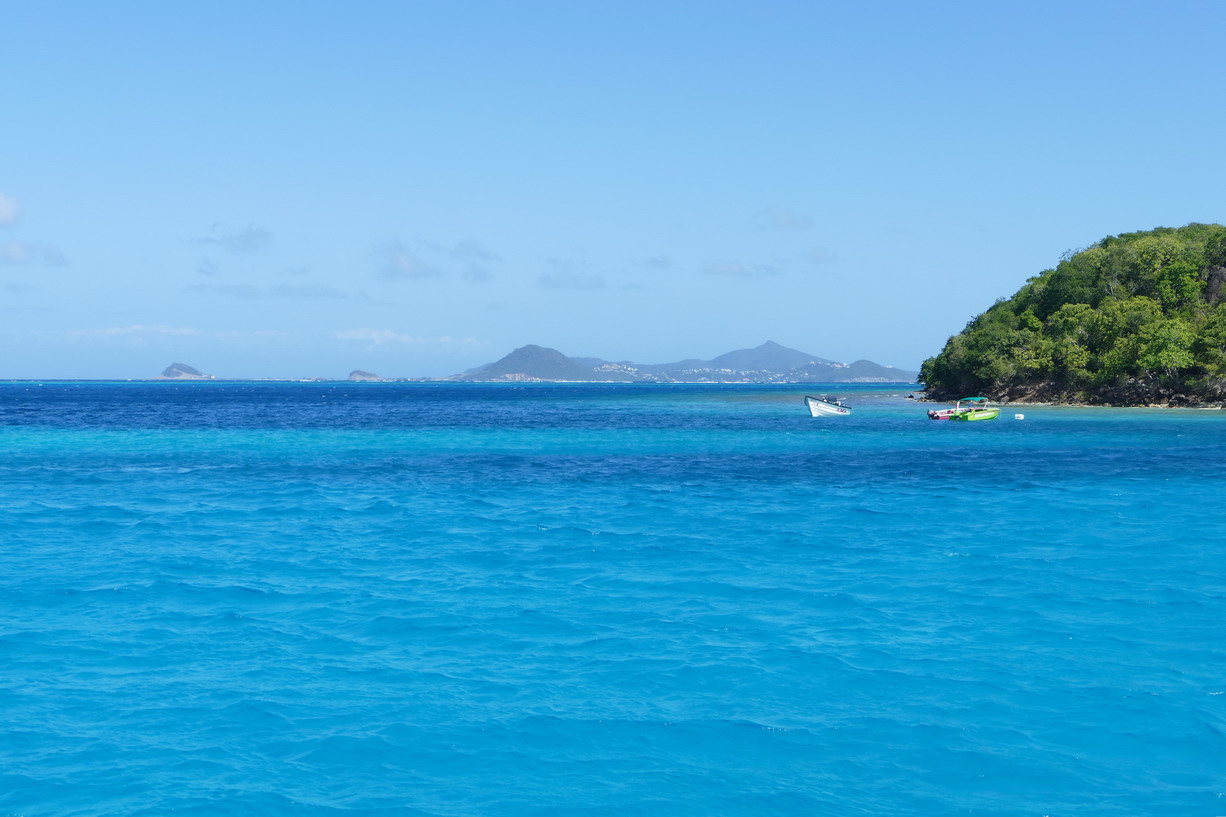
(821, 407)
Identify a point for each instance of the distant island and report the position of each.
(1134, 319)
(181, 371)
(768, 363)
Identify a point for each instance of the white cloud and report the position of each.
(9, 209)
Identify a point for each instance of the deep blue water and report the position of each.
(445, 600)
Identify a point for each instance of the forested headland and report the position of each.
(1134, 319)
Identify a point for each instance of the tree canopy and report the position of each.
(1136, 318)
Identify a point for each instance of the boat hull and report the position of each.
(966, 410)
(822, 408)
(977, 414)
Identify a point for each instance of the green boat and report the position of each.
(967, 409)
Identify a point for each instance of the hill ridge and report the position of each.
(769, 362)
(1133, 319)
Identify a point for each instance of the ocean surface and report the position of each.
(497, 600)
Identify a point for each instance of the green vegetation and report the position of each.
(1135, 319)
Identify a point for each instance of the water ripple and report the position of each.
(444, 601)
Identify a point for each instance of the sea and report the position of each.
(495, 600)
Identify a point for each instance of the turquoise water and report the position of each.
(444, 600)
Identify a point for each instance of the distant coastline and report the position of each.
(767, 363)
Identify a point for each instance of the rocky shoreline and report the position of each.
(1132, 394)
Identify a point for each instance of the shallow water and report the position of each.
(415, 599)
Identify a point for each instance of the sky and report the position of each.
(301, 189)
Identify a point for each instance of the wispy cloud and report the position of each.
(375, 336)
(570, 275)
(818, 256)
(396, 262)
(476, 274)
(476, 260)
(736, 269)
(249, 239)
(780, 218)
(658, 262)
(15, 252)
(136, 330)
(378, 337)
(254, 334)
(469, 250)
(25, 252)
(9, 210)
(565, 279)
(278, 291)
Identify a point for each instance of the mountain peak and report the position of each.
(770, 356)
(532, 362)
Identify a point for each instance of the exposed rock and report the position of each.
(1133, 391)
(358, 374)
(1215, 276)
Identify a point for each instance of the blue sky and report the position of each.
(299, 189)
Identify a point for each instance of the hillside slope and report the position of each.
(1134, 319)
(531, 362)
